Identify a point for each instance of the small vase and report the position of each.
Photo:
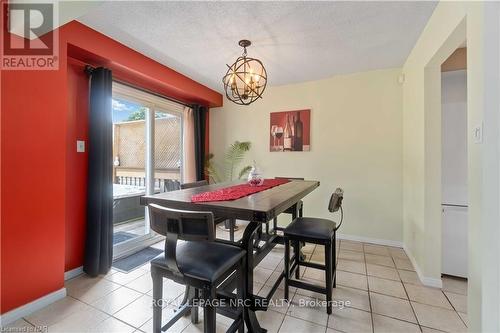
(254, 177)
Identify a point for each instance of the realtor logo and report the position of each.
(29, 41)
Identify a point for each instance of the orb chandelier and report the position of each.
(246, 79)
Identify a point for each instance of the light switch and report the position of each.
(477, 134)
(80, 146)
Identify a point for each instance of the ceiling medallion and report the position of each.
(246, 79)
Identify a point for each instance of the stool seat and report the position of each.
(311, 228)
(206, 261)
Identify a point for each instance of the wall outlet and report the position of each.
(80, 146)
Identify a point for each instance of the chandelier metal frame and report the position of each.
(241, 84)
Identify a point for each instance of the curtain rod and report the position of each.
(88, 69)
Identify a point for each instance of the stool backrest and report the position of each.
(187, 225)
(194, 184)
(180, 224)
(336, 200)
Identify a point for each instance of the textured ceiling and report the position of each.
(297, 41)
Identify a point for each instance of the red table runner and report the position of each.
(236, 191)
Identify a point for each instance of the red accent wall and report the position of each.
(43, 179)
(76, 164)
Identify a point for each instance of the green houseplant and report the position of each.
(233, 157)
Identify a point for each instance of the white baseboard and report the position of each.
(29, 308)
(73, 273)
(426, 281)
(386, 242)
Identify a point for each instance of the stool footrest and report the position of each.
(180, 312)
(312, 265)
(307, 286)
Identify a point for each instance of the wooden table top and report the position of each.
(260, 207)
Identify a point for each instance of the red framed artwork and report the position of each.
(290, 131)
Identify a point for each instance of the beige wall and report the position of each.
(448, 27)
(356, 143)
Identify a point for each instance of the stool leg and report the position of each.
(194, 309)
(328, 271)
(301, 211)
(287, 266)
(209, 311)
(296, 250)
(275, 224)
(157, 300)
(241, 292)
(334, 259)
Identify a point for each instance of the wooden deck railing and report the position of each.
(165, 185)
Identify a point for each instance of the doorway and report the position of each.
(147, 159)
(454, 165)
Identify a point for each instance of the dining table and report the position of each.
(258, 209)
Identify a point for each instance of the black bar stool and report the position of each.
(316, 231)
(198, 262)
(228, 223)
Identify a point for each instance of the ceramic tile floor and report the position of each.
(377, 285)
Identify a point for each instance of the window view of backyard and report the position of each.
(129, 163)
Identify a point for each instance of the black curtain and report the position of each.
(200, 117)
(99, 240)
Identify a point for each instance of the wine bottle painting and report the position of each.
(290, 131)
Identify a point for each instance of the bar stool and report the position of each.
(198, 262)
(229, 223)
(316, 231)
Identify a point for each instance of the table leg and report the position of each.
(247, 242)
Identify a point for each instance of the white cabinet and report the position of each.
(455, 245)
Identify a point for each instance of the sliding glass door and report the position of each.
(147, 159)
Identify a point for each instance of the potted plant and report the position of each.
(233, 157)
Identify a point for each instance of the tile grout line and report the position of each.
(453, 306)
(380, 293)
(295, 293)
(123, 286)
(368, 287)
(409, 301)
